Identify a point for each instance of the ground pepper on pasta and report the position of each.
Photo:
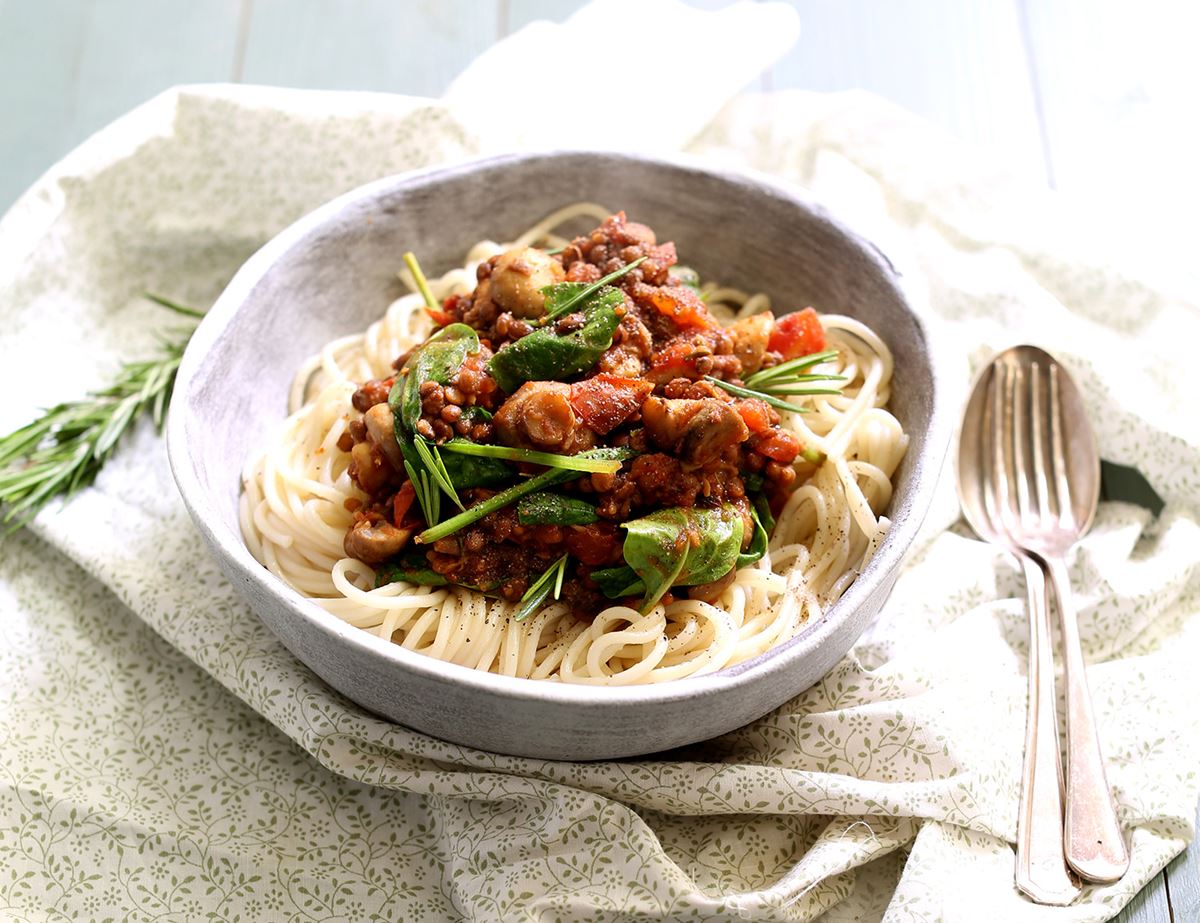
(739, 464)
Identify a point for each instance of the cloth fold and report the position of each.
(164, 754)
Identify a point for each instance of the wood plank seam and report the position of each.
(245, 12)
(1035, 83)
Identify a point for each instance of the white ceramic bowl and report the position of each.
(334, 271)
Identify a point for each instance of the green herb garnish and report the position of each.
(540, 590)
(513, 494)
(429, 496)
(788, 378)
(548, 509)
(659, 548)
(792, 371)
(432, 460)
(411, 567)
(410, 260)
(565, 296)
(64, 448)
(549, 459)
(546, 355)
(775, 402)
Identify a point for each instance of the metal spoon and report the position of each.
(1053, 489)
(1041, 871)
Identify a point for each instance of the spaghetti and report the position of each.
(299, 498)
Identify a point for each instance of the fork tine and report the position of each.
(1058, 454)
(1041, 485)
(999, 435)
(1019, 439)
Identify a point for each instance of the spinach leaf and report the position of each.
(466, 471)
(555, 510)
(476, 414)
(763, 509)
(570, 296)
(758, 545)
(437, 359)
(411, 567)
(615, 582)
(682, 547)
(544, 355)
(753, 481)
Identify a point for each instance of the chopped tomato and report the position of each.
(675, 360)
(680, 304)
(798, 334)
(595, 545)
(446, 313)
(402, 502)
(780, 446)
(756, 414)
(606, 401)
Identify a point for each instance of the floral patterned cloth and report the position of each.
(162, 756)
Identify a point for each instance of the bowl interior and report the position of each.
(334, 272)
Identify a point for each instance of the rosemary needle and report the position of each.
(65, 447)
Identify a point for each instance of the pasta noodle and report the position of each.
(294, 517)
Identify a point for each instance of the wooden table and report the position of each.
(1092, 97)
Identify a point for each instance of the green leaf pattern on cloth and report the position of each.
(164, 757)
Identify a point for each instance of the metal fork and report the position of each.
(1041, 869)
(1050, 492)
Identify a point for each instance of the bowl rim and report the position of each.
(775, 659)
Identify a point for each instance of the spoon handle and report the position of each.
(1042, 871)
(1092, 837)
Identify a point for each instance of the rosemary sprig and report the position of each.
(776, 402)
(432, 460)
(585, 293)
(549, 459)
(788, 378)
(64, 448)
(541, 589)
(792, 370)
(428, 495)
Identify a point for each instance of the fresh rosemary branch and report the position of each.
(773, 384)
(432, 460)
(429, 496)
(65, 448)
(792, 371)
(541, 589)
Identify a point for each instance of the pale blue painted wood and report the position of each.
(69, 67)
(40, 46)
(1118, 82)
(962, 65)
(402, 47)
(518, 13)
(1183, 882)
(1149, 905)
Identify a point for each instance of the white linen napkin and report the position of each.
(131, 782)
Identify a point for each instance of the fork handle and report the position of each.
(1092, 837)
(1042, 871)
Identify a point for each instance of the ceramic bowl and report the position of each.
(334, 271)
